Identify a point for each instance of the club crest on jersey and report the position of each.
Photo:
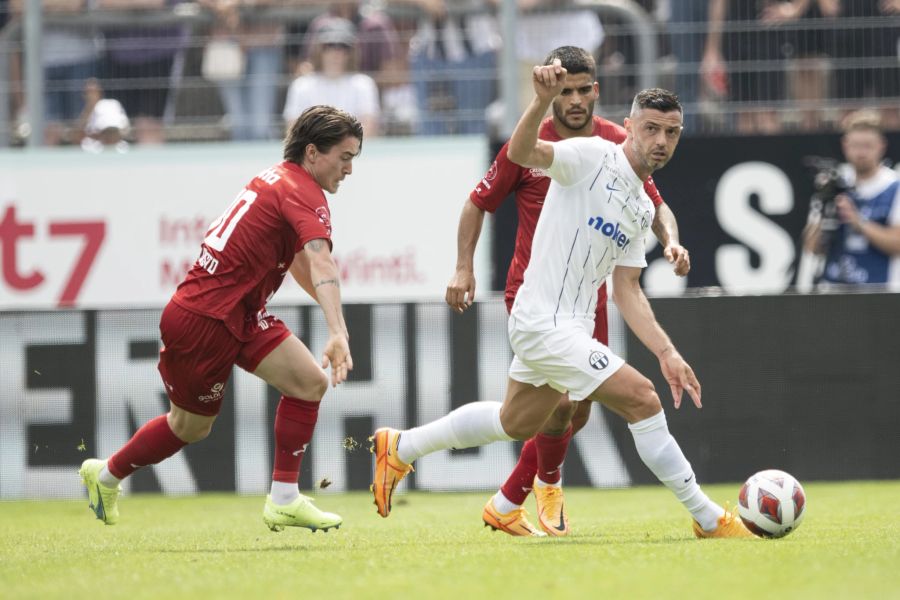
(610, 230)
(646, 219)
(325, 218)
(492, 172)
(598, 360)
(488, 178)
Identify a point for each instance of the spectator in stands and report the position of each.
(752, 55)
(453, 62)
(379, 54)
(143, 68)
(245, 59)
(548, 24)
(687, 34)
(70, 56)
(335, 80)
(103, 121)
(859, 47)
(810, 44)
(865, 247)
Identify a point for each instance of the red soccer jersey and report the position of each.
(249, 249)
(530, 186)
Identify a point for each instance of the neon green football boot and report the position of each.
(299, 513)
(103, 500)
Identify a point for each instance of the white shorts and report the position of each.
(567, 358)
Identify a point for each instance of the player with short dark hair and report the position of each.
(593, 225)
(217, 318)
(539, 466)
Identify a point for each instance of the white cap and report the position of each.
(107, 114)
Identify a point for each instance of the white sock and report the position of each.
(538, 482)
(503, 504)
(661, 453)
(473, 424)
(284, 493)
(108, 479)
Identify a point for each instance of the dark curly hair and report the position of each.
(574, 60)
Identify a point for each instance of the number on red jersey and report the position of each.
(222, 228)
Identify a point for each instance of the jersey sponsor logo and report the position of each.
(537, 173)
(610, 230)
(324, 218)
(215, 393)
(207, 262)
(598, 360)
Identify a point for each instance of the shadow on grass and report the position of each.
(600, 540)
(253, 549)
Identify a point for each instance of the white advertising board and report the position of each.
(121, 230)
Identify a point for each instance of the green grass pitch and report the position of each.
(631, 543)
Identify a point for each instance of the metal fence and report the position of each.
(193, 71)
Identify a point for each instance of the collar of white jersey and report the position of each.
(625, 169)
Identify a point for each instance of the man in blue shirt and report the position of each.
(866, 245)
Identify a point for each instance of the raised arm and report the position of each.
(665, 228)
(525, 148)
(326, 289)
(461, 289)
(636, 310)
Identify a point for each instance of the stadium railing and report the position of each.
(779, 74)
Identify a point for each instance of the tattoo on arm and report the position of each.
(315, 245)
(333, 282)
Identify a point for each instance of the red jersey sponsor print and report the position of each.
(249, 249)
(530, 186)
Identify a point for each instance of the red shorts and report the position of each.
(199, 352)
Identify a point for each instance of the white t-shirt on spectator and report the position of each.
(355, 93)
(542, 31)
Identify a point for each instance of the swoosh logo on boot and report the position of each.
(562, 521)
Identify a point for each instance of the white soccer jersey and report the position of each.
(595, 217)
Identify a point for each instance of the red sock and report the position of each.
(551, 452)
(151, 444)
(518, 484)
(295, 420)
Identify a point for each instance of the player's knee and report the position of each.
(645, 401)
(311, 387)
(561, 418)
(318, 386)
(517, 428)
(192, 432)
(581, 415)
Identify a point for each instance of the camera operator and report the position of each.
(863, 245)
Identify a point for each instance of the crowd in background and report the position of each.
(429, 67)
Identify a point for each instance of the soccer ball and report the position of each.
(772, 503)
